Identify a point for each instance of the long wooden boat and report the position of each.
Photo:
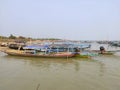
(105, 53)
(47, 51)
(23, 53)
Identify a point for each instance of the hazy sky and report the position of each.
(65, 19)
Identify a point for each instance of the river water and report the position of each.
(23, 73)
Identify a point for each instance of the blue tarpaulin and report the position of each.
(36, 47)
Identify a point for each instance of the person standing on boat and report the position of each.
(102, 49)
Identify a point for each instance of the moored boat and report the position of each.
(32, 54)
(52, 50)
(107, 53)
(104, 53)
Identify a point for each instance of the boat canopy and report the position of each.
(36, 47)
(82, 46)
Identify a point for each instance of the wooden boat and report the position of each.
(62, 51)
(107, 53)
(32, 54)
(16, 46)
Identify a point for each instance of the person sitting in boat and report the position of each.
(77, 50)
(102, 49)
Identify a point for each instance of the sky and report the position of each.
(64, 19)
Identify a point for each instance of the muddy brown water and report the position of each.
(23, 73)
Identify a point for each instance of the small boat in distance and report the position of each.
(104, 52)
(107, 53)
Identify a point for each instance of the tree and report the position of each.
(21, 37)
(12, 36)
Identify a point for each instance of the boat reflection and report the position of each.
(75, 64)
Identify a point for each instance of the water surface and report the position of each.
(23, 73)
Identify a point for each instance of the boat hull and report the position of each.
(18, 53)
(82, 56)
(107, 53)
